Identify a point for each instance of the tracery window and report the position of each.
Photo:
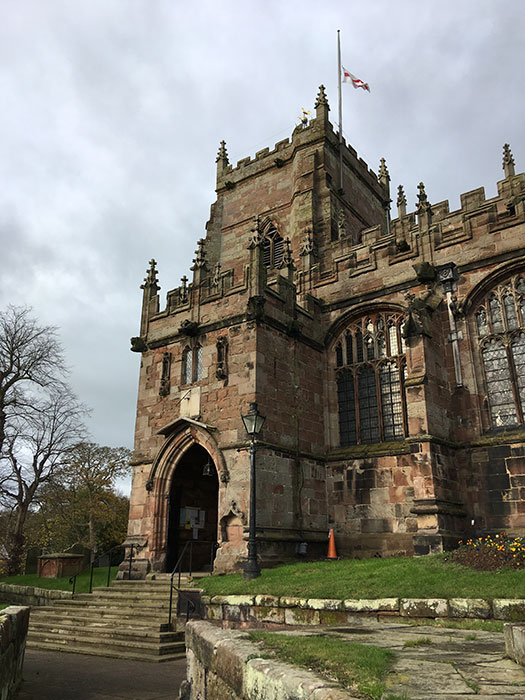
(500, 323)
(370, 368)
(192, 364)
(273, 248)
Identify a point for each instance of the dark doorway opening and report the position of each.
(193, 511)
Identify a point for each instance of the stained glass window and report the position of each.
(198, 363)
(495, 315)
(481, 319)
(499, 384)
(370, 383)
(502, 348)
(347, 414)
(367, 401)
(359, 345)
(349, 349)
(392, 336)
(192, 370)
(391, 404)
(518, 355)
(339, 355)
(381, 345)
(187, 365)
(510, 311)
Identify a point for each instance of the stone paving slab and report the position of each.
(455, 665)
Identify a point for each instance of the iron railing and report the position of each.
(109, 554)
(177, 570)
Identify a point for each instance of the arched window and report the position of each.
(192, 370)
(273, 248)
(198, 363)
(370, 391)
(187, 366)
(500, 326)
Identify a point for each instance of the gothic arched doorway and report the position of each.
(193, 510)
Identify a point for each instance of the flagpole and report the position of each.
(340, 110)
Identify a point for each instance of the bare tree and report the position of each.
(29, 355)
(38, 439)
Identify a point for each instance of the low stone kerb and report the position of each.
(423, 607)
(372, 605)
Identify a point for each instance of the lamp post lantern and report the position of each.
(253, 423)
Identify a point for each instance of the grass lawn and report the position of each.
(358, 667)
(62, 584)
(417, 577)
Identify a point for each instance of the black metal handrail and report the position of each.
(73, 579)
(177, 569)
(108, 554)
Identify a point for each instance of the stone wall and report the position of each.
(31, 595)
(223, 665)
(13, 632)
(265, 610)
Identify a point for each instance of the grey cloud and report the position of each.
(113, 112)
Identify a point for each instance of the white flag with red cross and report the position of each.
(356, 82)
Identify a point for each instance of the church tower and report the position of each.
(351, 332)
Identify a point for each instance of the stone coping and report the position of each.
(31, 595)
(226, 664)
(293, 611)
(515, 642)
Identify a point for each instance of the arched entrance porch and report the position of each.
(192, 512)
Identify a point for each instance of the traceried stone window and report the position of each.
(273, 248)
(500, 324)
(192, 364)
(370, 368)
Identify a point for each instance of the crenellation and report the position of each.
(281, 145)
(243, 162)
(473, 199)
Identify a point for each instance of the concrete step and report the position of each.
(93, 650)
(105, 631)
(136, 604)
(69, 640)
(142, 618)
(125, 596)
(143, 626)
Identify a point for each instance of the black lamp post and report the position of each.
(253, 422)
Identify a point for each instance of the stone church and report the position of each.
(387, 355)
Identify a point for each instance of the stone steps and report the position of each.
(132, 635)
(50, 617)
(102, 650)
(128, 620)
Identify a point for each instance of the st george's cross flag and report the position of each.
(356, 82)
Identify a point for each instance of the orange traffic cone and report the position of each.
(332, 554)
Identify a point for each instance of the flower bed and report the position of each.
(491, 553)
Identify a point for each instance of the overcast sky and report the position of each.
(112, 112)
